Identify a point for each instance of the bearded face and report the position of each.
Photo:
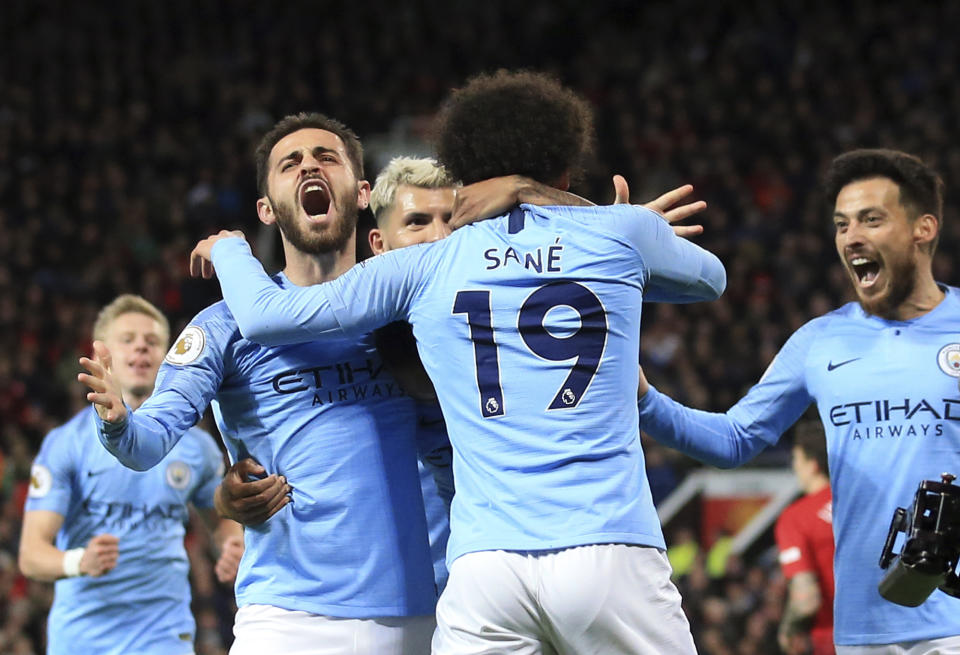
(875, 242)
(316, 237)
(312, 192)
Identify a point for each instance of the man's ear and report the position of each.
(363, 194)
(926, 228)
(265, 211)
(375, 238)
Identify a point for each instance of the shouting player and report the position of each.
(344, 561)
(883, 372)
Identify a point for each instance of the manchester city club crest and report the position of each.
(178, 475)
(949, 359)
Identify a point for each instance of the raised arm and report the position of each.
(675, 269)
(732, 438)
(496, 196)
(371, 294)
(140, 439)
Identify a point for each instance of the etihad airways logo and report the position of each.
(881, 411)
(878, 419)
(337, 382)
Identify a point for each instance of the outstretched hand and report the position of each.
(105, 392)
(201, 259)
(666, 205)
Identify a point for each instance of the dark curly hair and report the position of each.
(509, 123)
(921, 189)
(304, 120)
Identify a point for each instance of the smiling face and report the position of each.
(312, 191)
(137, 343)
(879, 243)
(418, 215)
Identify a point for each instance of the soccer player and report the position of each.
(112, 538)
(344, 563)
(804, 536)
(883, 372)
(529, 327)
(412, 201)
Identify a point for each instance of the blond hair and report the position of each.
(128, 303)
(422, 172)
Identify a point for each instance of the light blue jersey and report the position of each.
(142, 606)
(329, 417)
(528, 325)
(888, 398)
(436, 499)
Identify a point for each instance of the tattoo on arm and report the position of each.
(532, 192)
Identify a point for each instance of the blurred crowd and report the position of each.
(127, 132)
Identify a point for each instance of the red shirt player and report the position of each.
(804, 535)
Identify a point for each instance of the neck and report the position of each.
(134, 400)
(926, 295)
(815, 484)
(304, 269)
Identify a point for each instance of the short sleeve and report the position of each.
(793, 547)
(52, 474)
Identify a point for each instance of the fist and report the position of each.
(100, 555)
(229, 562)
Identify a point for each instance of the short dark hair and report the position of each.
(921, 189)
(514, 123)
(304, 120)
(809, 438)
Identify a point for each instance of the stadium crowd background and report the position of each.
(127, 131)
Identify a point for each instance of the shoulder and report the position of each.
(816, 326)
(595, 213)
(80, 426)
(952, 298)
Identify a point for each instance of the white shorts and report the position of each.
(944, 646)
(604, 599)
(260, 629)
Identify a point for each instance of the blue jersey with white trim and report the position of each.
(887, 394)
(329, 417)
(142, 605)
(529, 325)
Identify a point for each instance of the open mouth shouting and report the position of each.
(314, 197)
(865, 269)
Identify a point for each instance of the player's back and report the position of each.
(529, 327)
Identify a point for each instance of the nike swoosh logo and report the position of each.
(90, 474)
(831, 365)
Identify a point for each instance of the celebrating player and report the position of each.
(112, 538)
(344, 561)
(529, 326)
(883, 372)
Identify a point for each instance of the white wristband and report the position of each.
(71, 562)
